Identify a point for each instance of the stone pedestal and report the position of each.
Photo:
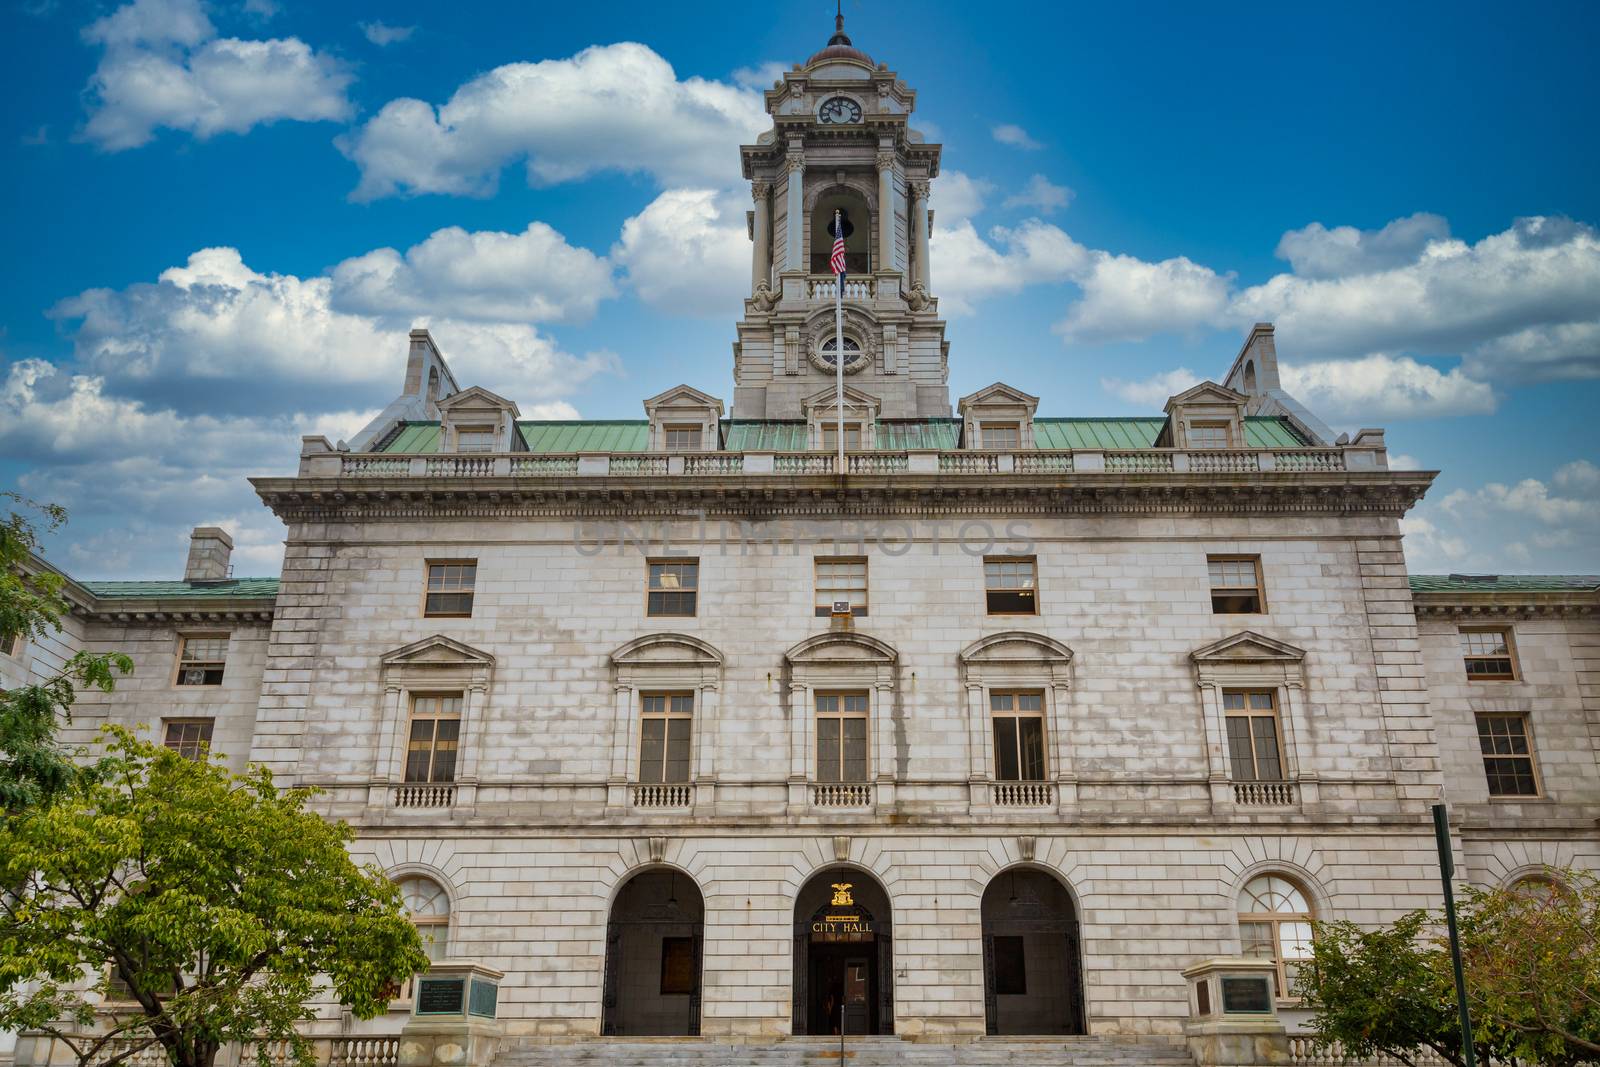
(453, 1017)
(1233, 1016)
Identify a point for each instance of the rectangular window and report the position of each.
(435, 736)
(677, 966)
(1507, 756)
(1208, 435)
(674, 587)
(189, 738)
(682, 437)
(1236, 585)
(852, 437)
(1488, 655)
(201, 659)
(450, 586)
(664, 737)
(1018, 736)
(475, 439)
(1253, 736)
(840, 578)
(841, 737)
(1001, 436)
(10, 645)
(1010, 966)
(1010, 586)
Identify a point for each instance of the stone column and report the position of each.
(795, 227)
(761, 258)
(885, 211)
(919, 234)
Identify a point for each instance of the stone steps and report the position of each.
(859, 1052)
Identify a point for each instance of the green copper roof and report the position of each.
(1503, 583)
(742, 435)
(594, 435)
(1260, 431)
(234, 588)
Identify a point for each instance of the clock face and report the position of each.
(839, 110)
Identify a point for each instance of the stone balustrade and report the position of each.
(424, 796)
(1023, 794)
(1161, 461)
(1305, 1052)
(844, 795)
(1263, 794)
(854, 288)
(662, 796)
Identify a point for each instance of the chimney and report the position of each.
(210, 549)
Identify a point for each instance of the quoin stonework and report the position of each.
(994, 729)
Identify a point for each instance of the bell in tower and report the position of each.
(841, 141)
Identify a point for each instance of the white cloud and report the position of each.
(1041, 193)
(957, 196)
(1430, 549)
(613, 107)
(1539, 353)
(1318, 252)
(1581, 477)
(1404, 461)
(384, 35)
(274, 338)
(1154, 391)
(760, 77)
(163, 66)
(1387, 387)
(1524, 526)
(1541, 274)
(1011, 134)
(688, 252)
(533, 276)
(1126, 299)
(968, 268)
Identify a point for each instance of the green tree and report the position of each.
(1531, 955)
(219, 902)
(33, 767)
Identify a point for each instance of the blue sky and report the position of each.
(223, 216)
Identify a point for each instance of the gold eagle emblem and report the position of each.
(841, 895)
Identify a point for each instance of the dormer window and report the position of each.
(1208, 435)
(998, 418)
(682, 437)
(475, 439)
(1002, 436)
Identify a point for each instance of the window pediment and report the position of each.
(842, 648)
(1248, 647)
(1016, 648)
(666, 649)
(437, 651)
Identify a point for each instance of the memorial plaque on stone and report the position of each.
(1246, 995)
(482, 1002)
(440, 996)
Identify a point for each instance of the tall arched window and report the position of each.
(1275, 923)
(428, 908)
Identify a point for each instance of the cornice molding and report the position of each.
(175, 610)
(762, 497)
(1505, 605)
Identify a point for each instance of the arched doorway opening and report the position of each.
(858, 231)
(1032, 966)
(653, 943)
(843, 955)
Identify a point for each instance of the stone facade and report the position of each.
(1137, 809)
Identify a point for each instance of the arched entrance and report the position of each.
(652, 977)
(1032, 970)
(843, 955)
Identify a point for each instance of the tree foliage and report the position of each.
(1532, 961)
(218, 900)
(33, 767)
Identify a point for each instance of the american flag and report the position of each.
(836, 260)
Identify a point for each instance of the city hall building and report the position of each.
(992, 729)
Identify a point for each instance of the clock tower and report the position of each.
(841, 140)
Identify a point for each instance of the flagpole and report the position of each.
(838, 343)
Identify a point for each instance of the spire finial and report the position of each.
(838, 25)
